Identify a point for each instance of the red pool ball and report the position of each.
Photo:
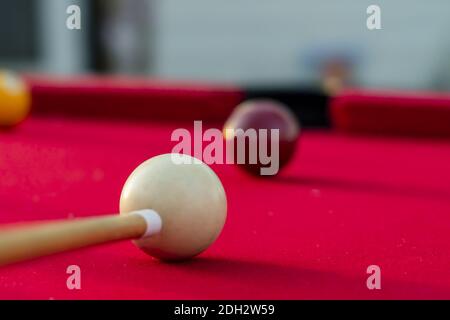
(262, 114)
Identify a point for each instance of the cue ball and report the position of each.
(190, 199)
(15, 99)
(264, 114)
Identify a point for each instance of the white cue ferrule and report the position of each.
(153, 220)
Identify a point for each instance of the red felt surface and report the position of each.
(343, 204)
(392, 113)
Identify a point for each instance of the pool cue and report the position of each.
(33, 241)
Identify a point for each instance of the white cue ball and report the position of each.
(189, 198)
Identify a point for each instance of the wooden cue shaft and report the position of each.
(28, 242)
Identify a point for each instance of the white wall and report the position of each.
(252, 41)
(63, 50)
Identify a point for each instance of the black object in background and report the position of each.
(97, 55)
(309, 105)
(18, 30)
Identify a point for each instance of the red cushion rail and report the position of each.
(392, 113)
(143, 99)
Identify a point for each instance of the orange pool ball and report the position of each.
(15, 99)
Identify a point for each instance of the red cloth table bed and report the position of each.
(345, 202)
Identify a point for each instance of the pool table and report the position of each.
(346, 201)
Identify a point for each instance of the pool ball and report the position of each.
(15, 99)
(261, 114)
(189, 198)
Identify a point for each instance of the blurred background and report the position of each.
(246, 42)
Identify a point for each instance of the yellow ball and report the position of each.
(15, 99)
